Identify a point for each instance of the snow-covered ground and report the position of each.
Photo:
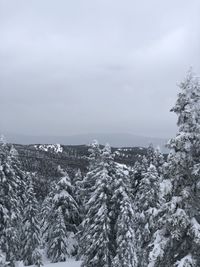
(69, 263)
(57, 148)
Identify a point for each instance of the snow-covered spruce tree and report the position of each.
(2, 259)
(159, 161)
(11, 178)
(58, 249)
(148, 198)
(139, 169)
(89, 180)
(123, 218)
(147, 205)
(78, 177)
(155, 157)
(104, 240)
(45, 213)
(177, 241)
(95, 237)
(20, 174)
(65, 197)
(4, 206)
(95, 154)
(62, 221)
(150, 155)
(78, 183)
(30, 236)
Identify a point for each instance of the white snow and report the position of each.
(158, 248)
(165, 187)
(68, 263)
(186, 261)
(124, 167)
(57, 148)
(195, 228)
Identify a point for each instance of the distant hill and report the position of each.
(44, 159)
(114, 139)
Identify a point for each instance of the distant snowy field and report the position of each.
(69, 263)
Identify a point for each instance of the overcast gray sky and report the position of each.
(73, 67)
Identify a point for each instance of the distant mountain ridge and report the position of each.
(114, 139)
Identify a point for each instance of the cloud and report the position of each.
(86, 66)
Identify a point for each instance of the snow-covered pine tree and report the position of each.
(45, 213)
(95, 154)
(97, 246)
(62, 221)
(88, 180)
(20, 174)
(65, 197)
(78, 183)
(10, 210)
(2, 259)
(77, 186)
(4, 207)
(106, 237)
(139, 169)
(147, 205)
(177, 241)
(150, 155)
(78, 177)
(159, 161)
(58, 249)
(30, 236)
(123, 218)
(40, 186)
(155, 157)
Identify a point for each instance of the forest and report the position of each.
(106, 210)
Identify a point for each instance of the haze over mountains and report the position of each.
(114, 139)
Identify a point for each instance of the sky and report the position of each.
(95, 66)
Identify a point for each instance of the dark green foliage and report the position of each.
(11, 180)
(96, 233)
(103, 240)
(178, 235)
(61, 220)
(124, 220)
(58, 248)
(30, 236)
